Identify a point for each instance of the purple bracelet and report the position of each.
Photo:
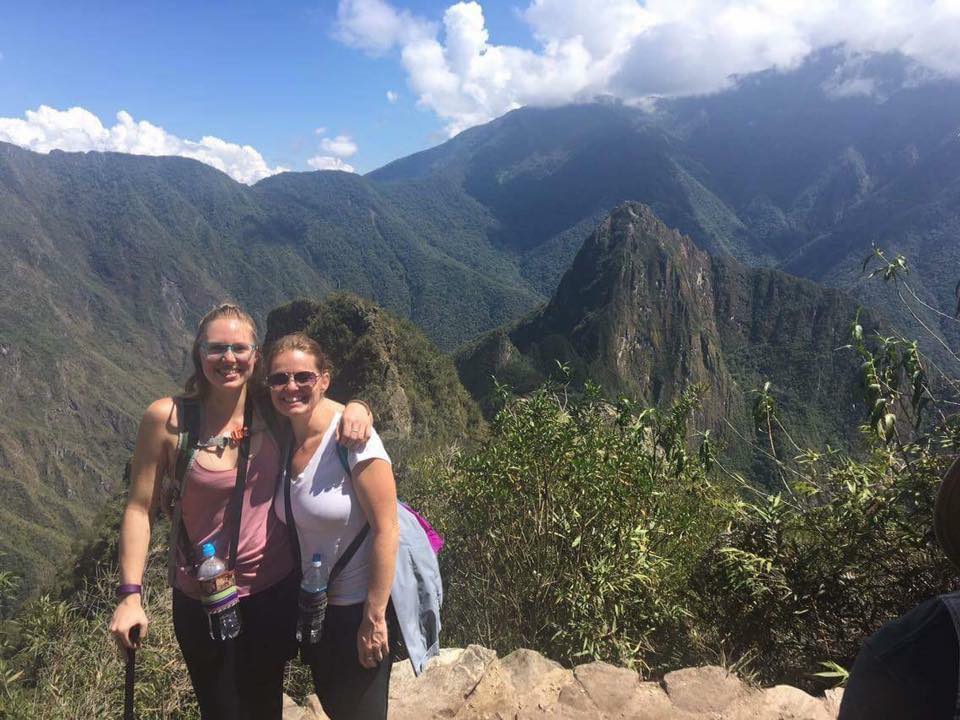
(125, 589)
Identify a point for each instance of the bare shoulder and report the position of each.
(334, 405)
(161, 417)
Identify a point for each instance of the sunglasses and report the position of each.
(215, 350)
(303, 379)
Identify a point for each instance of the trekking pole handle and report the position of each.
(130, 677)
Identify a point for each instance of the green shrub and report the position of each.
(573, 529)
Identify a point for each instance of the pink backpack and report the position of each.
(436, 540)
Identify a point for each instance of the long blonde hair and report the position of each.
(197, 384)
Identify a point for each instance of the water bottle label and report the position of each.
(313, 610)
(219, 593)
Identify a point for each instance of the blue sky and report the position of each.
(244, 86)
(257, 73)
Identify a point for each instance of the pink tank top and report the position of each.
(264, 556)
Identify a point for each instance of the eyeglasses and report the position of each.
(303, 379)
(215, 350)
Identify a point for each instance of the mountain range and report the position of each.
(646, 314)
(108, 260)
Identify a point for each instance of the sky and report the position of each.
(255, 88)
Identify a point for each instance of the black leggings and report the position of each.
(346, 689)
(242, 678)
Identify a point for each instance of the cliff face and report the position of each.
(636, 313)
(645, 313)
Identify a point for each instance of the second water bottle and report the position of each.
(313, 602)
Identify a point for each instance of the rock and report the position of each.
(777, 703)
(611, 689)
(537, 683)
(526, 669)
(313, 710)
(291, 711)
(703, 689)
(493, 698)
(574, 703)
(442, 688)
(473, 684)
(618, 694)
(831, 701)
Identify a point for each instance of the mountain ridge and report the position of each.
(647, 314)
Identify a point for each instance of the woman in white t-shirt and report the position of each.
(351, 662)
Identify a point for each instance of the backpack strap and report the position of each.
(189, 416)
(190, 419)
(235, 508)
(287, 480)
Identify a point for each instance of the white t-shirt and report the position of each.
(328, 515)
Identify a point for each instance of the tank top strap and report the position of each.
(952, 603)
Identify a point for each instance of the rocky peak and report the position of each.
(646, 313)
(637, 305)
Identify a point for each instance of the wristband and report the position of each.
(125, 589)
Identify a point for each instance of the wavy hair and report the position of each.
(302, 342)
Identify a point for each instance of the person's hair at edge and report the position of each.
(197, 384)
(302, 342)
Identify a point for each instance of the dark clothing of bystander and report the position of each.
(909, 668)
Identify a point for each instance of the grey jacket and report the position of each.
(417, 591)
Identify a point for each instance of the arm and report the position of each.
(377, 494)
(147, 467)
(355, 425)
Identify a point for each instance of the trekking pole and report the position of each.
(130, 678)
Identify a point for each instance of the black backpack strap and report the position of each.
(348, 553)
(235, 508)
(189, 418)
(354, 545)
(287, 479)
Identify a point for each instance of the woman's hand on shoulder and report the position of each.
(355, 426)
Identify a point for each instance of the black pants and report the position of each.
(241, 678)
(347, 690)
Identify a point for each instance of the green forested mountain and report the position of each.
(106, 263)
(793, 170)
(647, 314)
(107, 260)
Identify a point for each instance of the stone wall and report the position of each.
(474, 684)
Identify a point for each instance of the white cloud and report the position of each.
(342, 146)
(79, 130)
(376, 26)
(321, 131)
(634, 50)
(327, 162)
(392, 97)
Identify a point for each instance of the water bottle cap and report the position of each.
(317, 559)
(208, 550)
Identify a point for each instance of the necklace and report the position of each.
(220, 442)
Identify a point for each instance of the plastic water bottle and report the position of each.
(313, 602)
(220, 597)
